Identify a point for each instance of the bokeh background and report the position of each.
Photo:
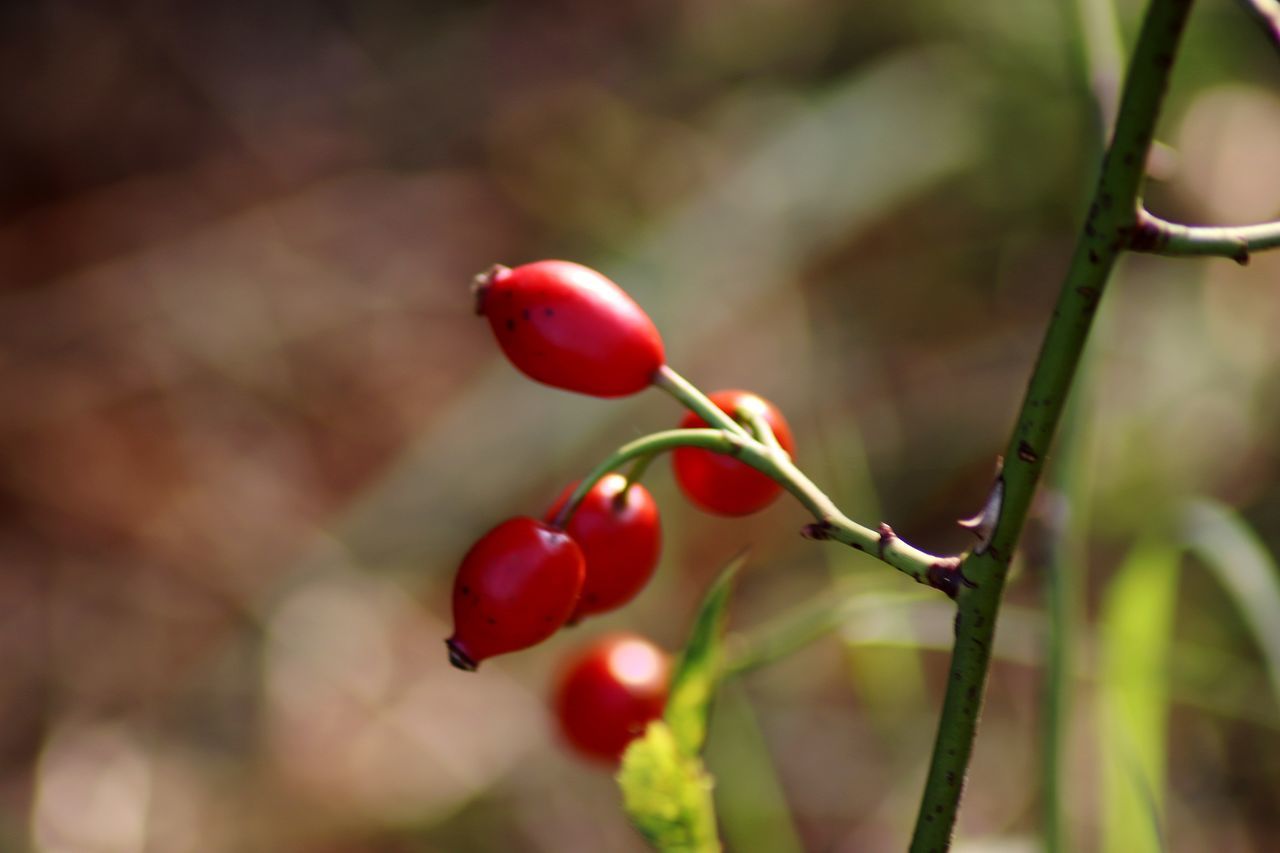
(248, 424)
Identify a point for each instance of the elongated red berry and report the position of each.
(516, 587)
(566, 325)
(609, 692)
(620, 536)
(722, 484)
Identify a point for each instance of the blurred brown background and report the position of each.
(248, 424)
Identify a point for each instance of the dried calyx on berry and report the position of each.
(515, 588)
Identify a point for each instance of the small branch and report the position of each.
(1156, 236)
(638, 467)
(695, 401)
(754, 418)
(938, 572)
(1267, 14)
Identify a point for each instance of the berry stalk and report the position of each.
(830, 522)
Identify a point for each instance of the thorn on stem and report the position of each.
(946, 575)
(886, 539)
(983, 524)
(817, 531)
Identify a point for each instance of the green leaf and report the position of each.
(667, 793)
(1225, 543)
(694, 680)
(1136, 632)
(752, 805)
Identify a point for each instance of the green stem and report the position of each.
(759, 427)
(1107, 231)
(806, 624)
(1159, 237)
(830, 522)
(637, 470)
(695, 401)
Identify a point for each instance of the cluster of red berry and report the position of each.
(568, 326)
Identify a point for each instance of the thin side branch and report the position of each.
(830, 523)
(1157, 236)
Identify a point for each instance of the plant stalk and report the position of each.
(830, 522)
(1107, 231)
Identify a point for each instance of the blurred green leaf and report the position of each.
(1136, 632)
(667, 793)
(1228, 546)
(753, 807)
(694, 680)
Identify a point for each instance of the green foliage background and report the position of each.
(248, 424)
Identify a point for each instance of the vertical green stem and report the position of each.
(1108, 227)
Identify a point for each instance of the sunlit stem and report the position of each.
(751, 414)
(695, 401)
(636, 472)
(831, 523)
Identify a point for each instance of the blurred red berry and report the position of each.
(516, 587)
(568, 326)
(720, 483)
(609, 693)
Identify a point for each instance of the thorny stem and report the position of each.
(830, 522)
(1107, 231)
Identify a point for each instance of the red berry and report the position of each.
(568, 326)
(515, 587)
(620, 541)
(609, 693)
(719, 483)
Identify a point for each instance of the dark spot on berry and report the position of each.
(466, 590)
(525, 313)
(511, 325)
(550, 312)
(491, 620)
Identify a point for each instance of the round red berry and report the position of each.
(620, 536)
(609, 693)
(720, 483)
(516, 587)
(568, 326)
